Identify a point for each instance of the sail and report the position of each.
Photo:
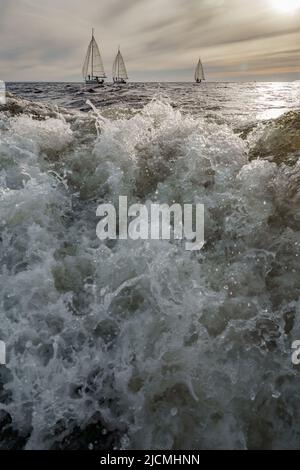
(119, 68)
(199, 73)
(86, 64)
(93, 65)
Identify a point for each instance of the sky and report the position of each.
(161, 40)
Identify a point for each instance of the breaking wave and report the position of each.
(142, 344)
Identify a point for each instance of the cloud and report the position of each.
(47, 40)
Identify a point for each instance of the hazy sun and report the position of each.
(286, 6)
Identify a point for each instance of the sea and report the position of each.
(141, 344)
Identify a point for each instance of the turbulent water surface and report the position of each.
(143, 344)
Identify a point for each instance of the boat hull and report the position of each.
(94, 82)
(120, 82)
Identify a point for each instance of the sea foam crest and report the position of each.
(131, 331)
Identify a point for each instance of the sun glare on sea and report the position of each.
(286, 6)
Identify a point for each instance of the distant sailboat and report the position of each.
(199, 72)
(119, 69)
(93, 70)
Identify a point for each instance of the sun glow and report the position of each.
(286, 6)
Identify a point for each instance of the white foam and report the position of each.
(137, 330)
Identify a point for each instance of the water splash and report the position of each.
(132, 331)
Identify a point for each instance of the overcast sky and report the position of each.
(160, 39)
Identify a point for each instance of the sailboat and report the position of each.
(93, 70)
(119, 69)
(199, 72)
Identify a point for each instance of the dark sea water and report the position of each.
(143, 345)
(233, 102)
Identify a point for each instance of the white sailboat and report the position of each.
(93, 70)
(119, 69)
(199, 72)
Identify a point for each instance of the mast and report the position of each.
(92, 52)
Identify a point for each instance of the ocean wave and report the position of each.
(277, 140)
(144, 342)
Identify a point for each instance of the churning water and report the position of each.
(141, 344)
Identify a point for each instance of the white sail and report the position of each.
(119, 68)
(199, 73)
(93, 65)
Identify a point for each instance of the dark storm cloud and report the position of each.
(47, 40)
